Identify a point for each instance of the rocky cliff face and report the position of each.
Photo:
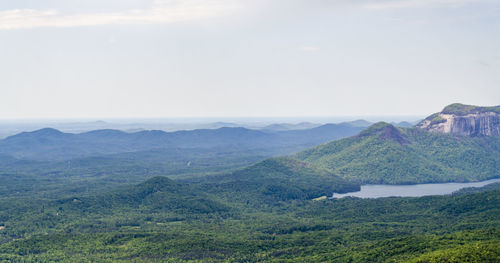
(464, 120)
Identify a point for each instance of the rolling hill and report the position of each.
(155, 194)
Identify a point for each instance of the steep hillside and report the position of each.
(464, 120)
(386, 154)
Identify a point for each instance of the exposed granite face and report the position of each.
(474, 124)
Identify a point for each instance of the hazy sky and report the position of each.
(179, 58)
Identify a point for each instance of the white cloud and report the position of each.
(164, 11)
(392, 4)
(171, 11)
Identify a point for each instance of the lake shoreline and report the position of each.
(411, 190)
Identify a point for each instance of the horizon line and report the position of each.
(204, 117)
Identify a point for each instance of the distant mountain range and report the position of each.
(51, 144)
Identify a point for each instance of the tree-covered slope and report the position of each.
(154, 195)
(386, 154)
(159, 200)
(454, 228)
(279, 179)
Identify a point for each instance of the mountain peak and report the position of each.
(464, 120)
(47, 131)
(385, 131)
(41, 133)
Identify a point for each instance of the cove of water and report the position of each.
(415, 190)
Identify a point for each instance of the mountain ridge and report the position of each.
(51, 144)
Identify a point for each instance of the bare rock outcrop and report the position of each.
(464, 120)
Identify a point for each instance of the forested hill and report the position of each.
(386, 154)
(51, 144)
(155, 194)
(275, 180)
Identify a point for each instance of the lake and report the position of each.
(416, 190)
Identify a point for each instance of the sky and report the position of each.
(245, 58)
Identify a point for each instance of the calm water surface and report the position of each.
(416, 190)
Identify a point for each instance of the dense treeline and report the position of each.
(461, 227)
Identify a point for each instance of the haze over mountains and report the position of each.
(51, 144)
(12, 127)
